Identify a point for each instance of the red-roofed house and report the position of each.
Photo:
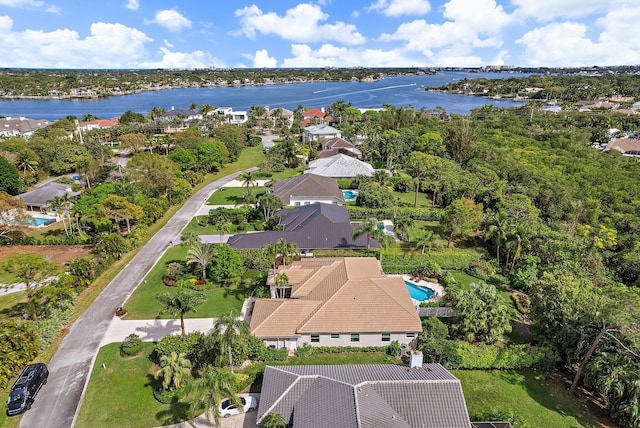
(315, 116)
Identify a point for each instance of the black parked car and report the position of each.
(24, 391)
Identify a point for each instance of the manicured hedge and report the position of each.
(406, 263)
(512, 357)
(132, 345)
(305, 351)
(424, 214)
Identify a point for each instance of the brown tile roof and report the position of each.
(307, 185)
(624, 145)
(364, 396)
(338, 295)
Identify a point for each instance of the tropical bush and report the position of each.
(131, 345)
(192, 344)
(19, 344)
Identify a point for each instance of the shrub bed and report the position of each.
(405, 263)
(170, 397)
(513, 357)
(305, 351)
(132, 345)
(424, 214)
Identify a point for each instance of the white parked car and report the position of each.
(226, 408)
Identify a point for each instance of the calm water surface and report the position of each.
(400, 91)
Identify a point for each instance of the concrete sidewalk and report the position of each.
(153, 330)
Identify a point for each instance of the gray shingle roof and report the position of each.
(365, 396)
(314, 226)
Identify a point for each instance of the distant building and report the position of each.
(338, 145)
(626, 146)
(20, 126)
(227, 115)
(315, 133)
(38, 199)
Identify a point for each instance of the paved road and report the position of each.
(70, 367)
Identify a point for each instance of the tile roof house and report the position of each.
(20, 126)
(338, 145)
(314, 116)
(312, 227)
(319, 133)
(339, 166)
(626, 146)
(345, 301)
(39, 198)
(98, 124)
(307, 189)
(364, 396)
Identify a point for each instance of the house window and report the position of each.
(297, 204)
(411, 335)
(386, 337)
(335, 336)
(315, 338)
(355, 337)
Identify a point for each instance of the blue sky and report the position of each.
(285, 33)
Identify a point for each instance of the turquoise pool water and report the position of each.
(40, 221)
(349, 195)
(418, 293)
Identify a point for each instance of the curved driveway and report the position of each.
(69, 369)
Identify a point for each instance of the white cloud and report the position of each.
(31, 4)
(167, 43)
(107, 46)
(546, 10)
(339, 56)
(262, 59)
(170, 19)
(132, 4)
(481, 16)
(568, 43)
(397, 8)
(195, 59)
(303, 23)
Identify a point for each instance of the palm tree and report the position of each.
(426, 240)
(367, 227)
(189, 238)
(211, 389)
(498, 231)
(285, 250)
(248, 179)
(230, 328)
(280, 281)
(173, 368)
(180, 303)
(200, 254)
(274, 420)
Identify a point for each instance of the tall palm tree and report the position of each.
(200, 254)
(230, 328)
(498, 230)
(367, 227)
(248, 179)
(426, 240)
(173, 368)
(182, 302)
(280, 281)
(211, 389)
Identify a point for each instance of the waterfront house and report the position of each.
(20, 126)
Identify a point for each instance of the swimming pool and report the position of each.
(40, 221)
(349, 195)
(418, 293)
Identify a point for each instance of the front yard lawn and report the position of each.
(143, 304)
(121, 394)
(233, 195)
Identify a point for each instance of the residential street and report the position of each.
(69, 369)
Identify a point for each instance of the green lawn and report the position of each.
(10, 304)
(144, 305)
(121, 394)
(538, 402)
(407, 199)
(199, 226)
(233, 195)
